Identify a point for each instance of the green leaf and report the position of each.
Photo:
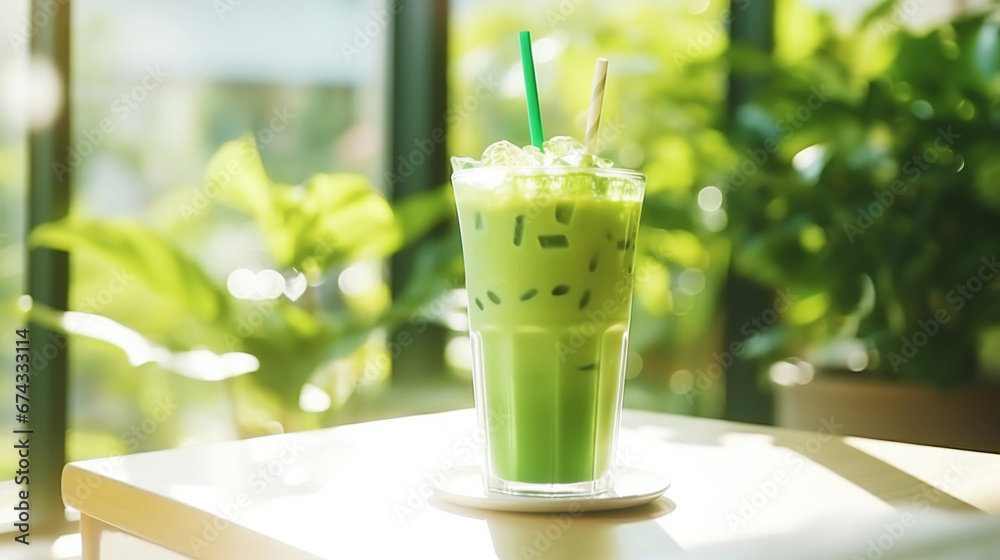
(343, 219)
(141, 254)
(417, 214)
(877, 14)
(236, 175)
(437, 268)
(289, 357)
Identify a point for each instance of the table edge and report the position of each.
(130, 509)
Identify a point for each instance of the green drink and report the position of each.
(549, 255)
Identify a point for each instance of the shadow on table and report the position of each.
(880, 479)
(630, 533)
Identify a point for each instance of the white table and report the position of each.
(361, 491)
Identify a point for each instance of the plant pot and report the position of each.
(967, 417)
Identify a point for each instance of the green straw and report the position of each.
(531, 91)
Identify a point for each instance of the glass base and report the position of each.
(554, 490)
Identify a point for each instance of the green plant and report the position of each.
(180, 306)
(870, 187)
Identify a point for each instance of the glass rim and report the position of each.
(529, 170)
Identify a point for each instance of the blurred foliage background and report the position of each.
(229, 235)
(879, 205)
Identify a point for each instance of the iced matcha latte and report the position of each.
(549, 245)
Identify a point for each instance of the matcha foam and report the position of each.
(558, 151)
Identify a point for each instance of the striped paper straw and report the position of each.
(596, 103)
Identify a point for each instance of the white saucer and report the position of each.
(633, 487)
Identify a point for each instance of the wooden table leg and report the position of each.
(90, 534)
(105, 542)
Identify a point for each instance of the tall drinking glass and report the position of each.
(549, 256)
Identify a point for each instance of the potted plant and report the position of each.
(870, 187)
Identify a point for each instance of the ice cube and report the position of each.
(535, 154)
(561, 151)
(575, 159)
(505, 154)
(584, 161)
(460, 163)
(561, 146)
